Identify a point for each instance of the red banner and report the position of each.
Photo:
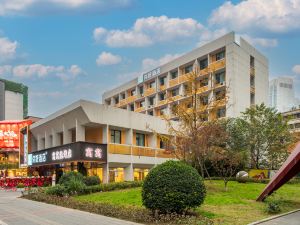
(9, 133)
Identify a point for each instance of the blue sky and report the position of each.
(65, 50)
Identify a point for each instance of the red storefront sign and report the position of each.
(9, 133)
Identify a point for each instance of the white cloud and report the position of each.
(8, 49)
(34, 7)
(296, 69)
(150, 30)
(149, 63)
(41, 71)
(107, 58)
(258, 15)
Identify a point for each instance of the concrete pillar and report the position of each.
(105, 173)
(67, 136)
(129, 135)
(152, 140)
(39, 142)
(128, 173)
(105, 133)
(80, 132)
(55, 138)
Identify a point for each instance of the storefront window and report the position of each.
(115, 136)
(116, 175)
(140, 174)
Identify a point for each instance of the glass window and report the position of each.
(221, 113)
(150, 113)
(203, 64)
(162, 81)
(162, 144)
(220, 55)
(132, 92)
(116, 100)
(188, 69)
(142, 104)
(140, 139)
(152, 84)
(151, 101)
(204, 100)
(220, 78)
(174, 74)
(123, 96)
(175, 92)
(115, 136)
(131, 107)
(141, 89)
(204, 82)
(162, 96)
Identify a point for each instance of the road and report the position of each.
(289, 219)
(17, 211)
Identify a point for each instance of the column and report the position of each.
(105, 173)
(39, 142)
(128, 173)
(105, 133)
(80, 132)
(66, 135)
(47, 140)
(55, 138)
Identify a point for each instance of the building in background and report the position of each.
(13, 100)
(227, 64)
(96, 139)
(294, 119)
(282, 94)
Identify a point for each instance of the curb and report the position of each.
(273, 217)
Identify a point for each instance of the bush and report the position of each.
(273, 204)
(65, 178)
(58, 190)
(92, 180)
(20, 185)
(173, 187)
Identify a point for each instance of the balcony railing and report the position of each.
(131, 98)
(252, 71)
(214, 66)
(173, 82)
(202, 89)
(162, 87)
(140, 109)
(139, 151)
(149, 91)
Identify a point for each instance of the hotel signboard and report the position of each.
(78, 151)
(149, 75)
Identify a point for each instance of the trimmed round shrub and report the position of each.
(173, 187)
(67, 177)
(91, 180)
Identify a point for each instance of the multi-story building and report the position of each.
(227, 64)
(282, 94)
(111, 143)
(294, 119)
(13, 100)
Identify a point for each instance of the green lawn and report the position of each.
(236, 206)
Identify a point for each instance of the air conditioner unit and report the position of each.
(150, 106)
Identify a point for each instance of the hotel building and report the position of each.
(101, 140)
(228, 64)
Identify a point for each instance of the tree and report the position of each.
(193, 135)
(268, 136)
(229, 154)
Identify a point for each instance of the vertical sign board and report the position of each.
(24, 147)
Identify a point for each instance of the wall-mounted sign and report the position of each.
(78, 151)
(9, 133)
(151, 74)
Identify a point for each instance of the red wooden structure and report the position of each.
(288, 170)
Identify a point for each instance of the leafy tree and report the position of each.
(268, 136)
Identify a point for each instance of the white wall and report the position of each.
(13, 106)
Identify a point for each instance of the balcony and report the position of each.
(252, 71)
(131, 98)
(252, 89)
(161, 153)
(162, 87)
(173, 82)
(217, 65)
(202, 89)
(119, 149)
(219, 103)
(122, 102)
(174, 98)
(149, 91)
(140, 109)
(183, 78)
(218, 85)
(143, 151)
(162, 102)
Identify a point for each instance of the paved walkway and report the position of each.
(16, 211)
(289, 219)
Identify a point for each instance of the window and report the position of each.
(204, 100)
(219, 95)
(162, 144)
(115, 136)
(162, 96)
(162, 80)
(132, 92)
(203, 64)
(140, 139)
(152, 84)
(117, 100)
(297, 125)
(252, 99)
(188, 69)
(174, 74)
(142, 104)
(204, 82)
(131, 107)
(163, 111)
(175, 92)
(221, 113)
(251, 61)
(123, 96)
(150, 113)
(220, 78)
(220, 55)
(151, 101)
(141, 90)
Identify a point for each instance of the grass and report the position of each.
(236, 206)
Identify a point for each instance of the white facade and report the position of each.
(246, 79)
(282, 94)
(13, 106)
